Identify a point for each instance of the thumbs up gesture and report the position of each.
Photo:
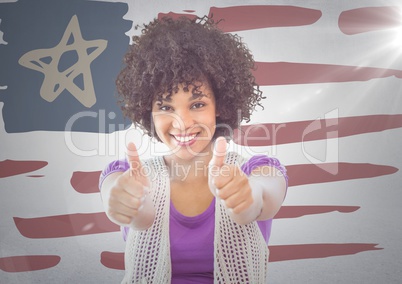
(128, 200)
(231, 186)
(216, 163)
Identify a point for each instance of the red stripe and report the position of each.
(330, 172)
(277, 252)
(114, 260)
(85, 224)
(307, 251)
(284, 73)
(85, 182)
(28, 262)
(369, 19)
(239, 18)
(65, 225)
(11, 168)
(268, 134)
(299, 211)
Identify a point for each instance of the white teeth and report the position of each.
(184, 139)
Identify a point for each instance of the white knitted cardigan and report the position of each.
(241, 254)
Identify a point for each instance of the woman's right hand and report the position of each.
(125, 195)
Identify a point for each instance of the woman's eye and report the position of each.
(165, 108)
(197, 105)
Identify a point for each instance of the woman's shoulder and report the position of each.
(260, 160)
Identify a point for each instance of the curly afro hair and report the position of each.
(170, 52)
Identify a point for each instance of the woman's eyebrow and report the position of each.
(165, 99)
(197, 97)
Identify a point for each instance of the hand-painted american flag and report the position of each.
(331, 72)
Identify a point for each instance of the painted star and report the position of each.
(56, 82)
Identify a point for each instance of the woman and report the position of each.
(197, 214)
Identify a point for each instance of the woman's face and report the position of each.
(186, 123)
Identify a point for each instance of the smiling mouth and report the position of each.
(185, 138)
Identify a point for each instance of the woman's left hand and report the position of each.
(229, 184)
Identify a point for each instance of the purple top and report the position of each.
(192, 238)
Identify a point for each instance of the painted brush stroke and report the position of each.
(286, 73)
(65, 225)
(115, 260)
(306, 174)
(304, 210)
(369, 19)
(85, 182)
(308, 251)
(269, 134)
(10, 168)
(240, 18)
(25, 263)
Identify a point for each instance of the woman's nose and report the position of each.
(183, 121)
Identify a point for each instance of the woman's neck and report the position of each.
(192, 170)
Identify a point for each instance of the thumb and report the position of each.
(217, 161)
(218, 157)
(135, 164)
(132, 157)
(219, 152)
